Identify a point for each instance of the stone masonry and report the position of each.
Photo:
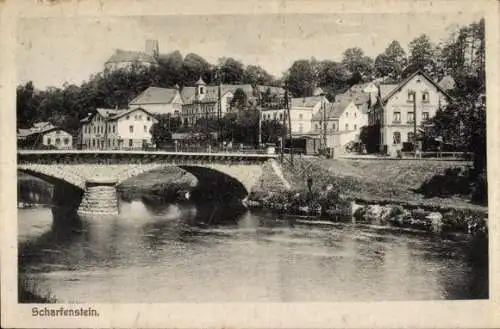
(98, 173)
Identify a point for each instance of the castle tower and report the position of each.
(152, 48)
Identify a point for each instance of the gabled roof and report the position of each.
(311, 101)
(155, 95)
(385, 89)
(121, 56)
(408, 79)
(188, 94)
(125, 112)
(333, 110)
(447, 82)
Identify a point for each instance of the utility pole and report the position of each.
(289, 127)
(324, 126)
(415, 123)
(259, 109)
(219, 109)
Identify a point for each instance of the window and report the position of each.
(128, 117)
(281, 116)
(301, 116)
(301, 127)
(130, 142)
(346, 114)
(93, 142)
(355, 126)
(114, 128)
(334, 127)
(411, 96)
(425, 116)
(49, 141)
(148, 118)
(202, 90)
(425, 97)
(66, 141)
(355, 114)
(397, 117)
(94, 129)
(410, 137)
(346, 126)
(396, 138)
(145, 129)
(411, 117)
(131, 129)
(316, 127)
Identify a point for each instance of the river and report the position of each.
(192, 253)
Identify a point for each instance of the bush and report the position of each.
(480, 190)
(455, 181)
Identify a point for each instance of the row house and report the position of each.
(117, 129)
(401, 107)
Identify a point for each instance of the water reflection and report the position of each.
(183, 252)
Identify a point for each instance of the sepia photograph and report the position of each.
(250, 158)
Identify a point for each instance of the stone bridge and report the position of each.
(88, 179)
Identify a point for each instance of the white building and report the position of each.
(339, 124)
(44, 134)
(117, 129)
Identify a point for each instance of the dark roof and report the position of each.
(408, 79)
(125, 112)
(311, 101)
(155, 95)
(333, 110)
(125, 56)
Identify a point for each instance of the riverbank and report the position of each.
(386, 192)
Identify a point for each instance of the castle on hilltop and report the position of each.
(126, 58)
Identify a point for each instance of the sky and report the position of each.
(52, 51)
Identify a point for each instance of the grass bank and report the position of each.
(379, 181)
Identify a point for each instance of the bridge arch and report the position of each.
(231, 182)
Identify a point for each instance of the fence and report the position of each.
(469, 156)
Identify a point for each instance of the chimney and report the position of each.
(152, 48)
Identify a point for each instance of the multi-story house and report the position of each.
(159, 101)
(302, 111)
(44, 134)
(402, 107)
(339, 124)
(117, 129)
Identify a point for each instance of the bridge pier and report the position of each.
(100, 197)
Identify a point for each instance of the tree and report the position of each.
(160, 131)
(332, 76)
(354, 60)
(422, 56)
(300, 79)
(194, 67)
(171, 68)
(231, 70)
(256, 75)
(272, 131)
(391, 62)
(240, 99)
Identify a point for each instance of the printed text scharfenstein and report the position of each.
(62, 311)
